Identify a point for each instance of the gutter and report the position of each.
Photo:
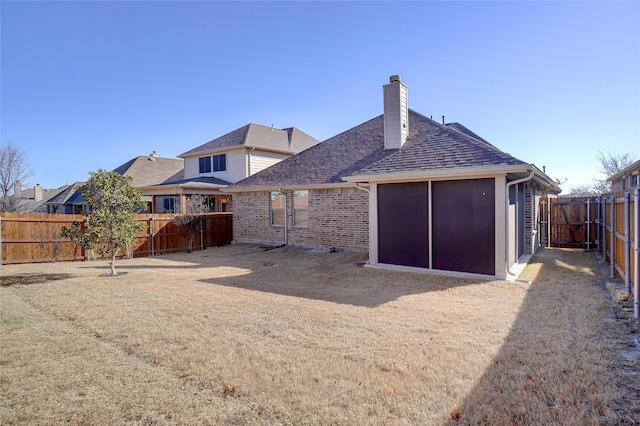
(506, 215)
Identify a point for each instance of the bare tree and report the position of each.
(14, 166)
(609, 164)
(191, 221)
(581, 191)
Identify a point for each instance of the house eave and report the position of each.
(441, 174)
(252, 148)
(624, 172)
(269, 188)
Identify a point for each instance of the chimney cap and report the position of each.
(394, 78)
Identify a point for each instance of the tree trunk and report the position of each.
(113, 264)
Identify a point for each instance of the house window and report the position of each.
(301, 208)
(205, 164)
(278, 200)
(220, 163)
(169, 205)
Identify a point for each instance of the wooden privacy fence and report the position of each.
(610, 224)
(33, 238)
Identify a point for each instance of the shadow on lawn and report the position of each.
(329, 277)
(558, 365)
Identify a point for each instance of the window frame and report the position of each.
(273, 195)
(204, 164)
(219, 163)
(296, 209)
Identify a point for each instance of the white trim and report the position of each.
(430, 223)
(500, 228)
(458, 173)
(234, 148)
(373, 224)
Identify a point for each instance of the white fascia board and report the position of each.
(441, 174)
(289, 187)
(235, 148)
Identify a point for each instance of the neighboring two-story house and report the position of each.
(215, 165)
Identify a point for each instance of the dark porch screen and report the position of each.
(464, 225)
(403, 224)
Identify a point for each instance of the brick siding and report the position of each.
(338, 217)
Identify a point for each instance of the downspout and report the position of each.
(506, 217)
(636, 250)
(286, 230)
(362, 188)
(249, 160)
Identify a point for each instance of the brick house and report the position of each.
(416, 194)
(216, 164)
(625, 179)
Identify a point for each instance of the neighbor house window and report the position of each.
(205, 164)
(169, 205)
(301, 208)
(220, 163)
(278, 199)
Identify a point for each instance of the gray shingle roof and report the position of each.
(432, 146)
(360, 151)
(71, 192)
(290, 140)
(150, 170)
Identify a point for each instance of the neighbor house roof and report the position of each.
(69, 195)
(626, 171)
(151, 169)
(360, 150)
(28, 200)
(290, 140)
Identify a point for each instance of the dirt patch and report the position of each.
(34, 278)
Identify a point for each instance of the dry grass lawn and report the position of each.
(237, 335)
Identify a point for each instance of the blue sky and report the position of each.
(89, 85)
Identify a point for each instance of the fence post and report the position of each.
(598, 224)
(588, 224)
(153, 236)
(636, 249)
(201, 235)
(604, 227)
(0, 240)
(544, 216)
(613, 237)
(627, 242)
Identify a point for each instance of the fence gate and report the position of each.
(572, 222)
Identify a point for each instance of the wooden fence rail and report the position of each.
(34, 238)
(609, 223)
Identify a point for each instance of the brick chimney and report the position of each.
(396, 113)
(17, 189)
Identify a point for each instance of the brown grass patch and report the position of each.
(236, 335)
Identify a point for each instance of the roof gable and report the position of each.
(290, 140)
